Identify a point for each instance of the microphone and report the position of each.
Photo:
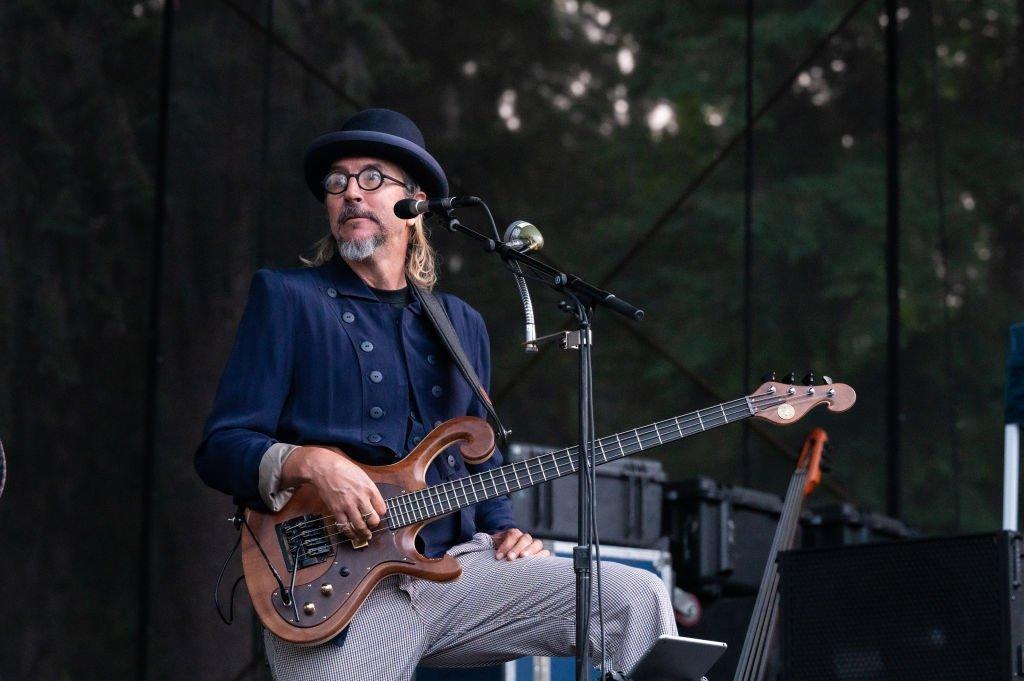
(410, 208)
(523, 237)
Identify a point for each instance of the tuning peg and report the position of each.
(827, 379)
(789, 378)
(809, 378)
(769, 377)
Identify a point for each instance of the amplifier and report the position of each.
(913, 610)
(842, 524)
(721, 535)
(629, 512)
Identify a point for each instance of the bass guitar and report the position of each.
(307, 580)
(757, 644)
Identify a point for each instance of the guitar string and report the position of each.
(418, 504)
(418, 501)
(681, 420)
(752, 641)
(421, 510)
(646, 436)
(755, 651)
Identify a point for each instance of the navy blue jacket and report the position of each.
(320, 360)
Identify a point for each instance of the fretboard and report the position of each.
(439, 500)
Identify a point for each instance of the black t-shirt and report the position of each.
(398, 300)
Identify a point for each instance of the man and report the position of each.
(340, 353)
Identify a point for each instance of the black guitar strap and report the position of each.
(439, 318)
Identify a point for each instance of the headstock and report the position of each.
(810, 458)
(785, 402)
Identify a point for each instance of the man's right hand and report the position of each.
(353, 499)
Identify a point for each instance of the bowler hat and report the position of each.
(381, 133)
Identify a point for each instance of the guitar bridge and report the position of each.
(305, 536)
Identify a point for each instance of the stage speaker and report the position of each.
(922, 609)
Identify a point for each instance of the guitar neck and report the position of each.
(439, 500)
(756, 643)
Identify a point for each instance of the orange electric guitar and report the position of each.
(307, 580)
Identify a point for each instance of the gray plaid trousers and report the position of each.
(495, 612)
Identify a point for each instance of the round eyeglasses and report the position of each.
(368, 179)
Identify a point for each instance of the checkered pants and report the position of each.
(495, 612)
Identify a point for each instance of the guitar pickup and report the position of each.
(307, 536)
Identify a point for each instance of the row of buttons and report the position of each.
(367, 346)
(377, 377)
(376, 438)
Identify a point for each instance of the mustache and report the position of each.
(354, 211)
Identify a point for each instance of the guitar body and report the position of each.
(332, 584)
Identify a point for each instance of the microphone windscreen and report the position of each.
(406, 209)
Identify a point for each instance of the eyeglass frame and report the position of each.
(409, 185)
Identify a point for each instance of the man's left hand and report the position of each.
(513, 543)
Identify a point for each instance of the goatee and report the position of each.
(361, 249)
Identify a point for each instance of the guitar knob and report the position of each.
(309, 609)
(789, 378)
(809, 378)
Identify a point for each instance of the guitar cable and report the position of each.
(216, 589)
(238, 520)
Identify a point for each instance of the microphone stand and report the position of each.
(585, 298)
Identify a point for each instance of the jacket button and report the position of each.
(376, 376)
(451, 460)
(348, 317)
(366, 346)
(376, 412)
(333, 293)
(438, 423)
(374, 438)
(416, 440)
(436, 391)
(431, 359)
